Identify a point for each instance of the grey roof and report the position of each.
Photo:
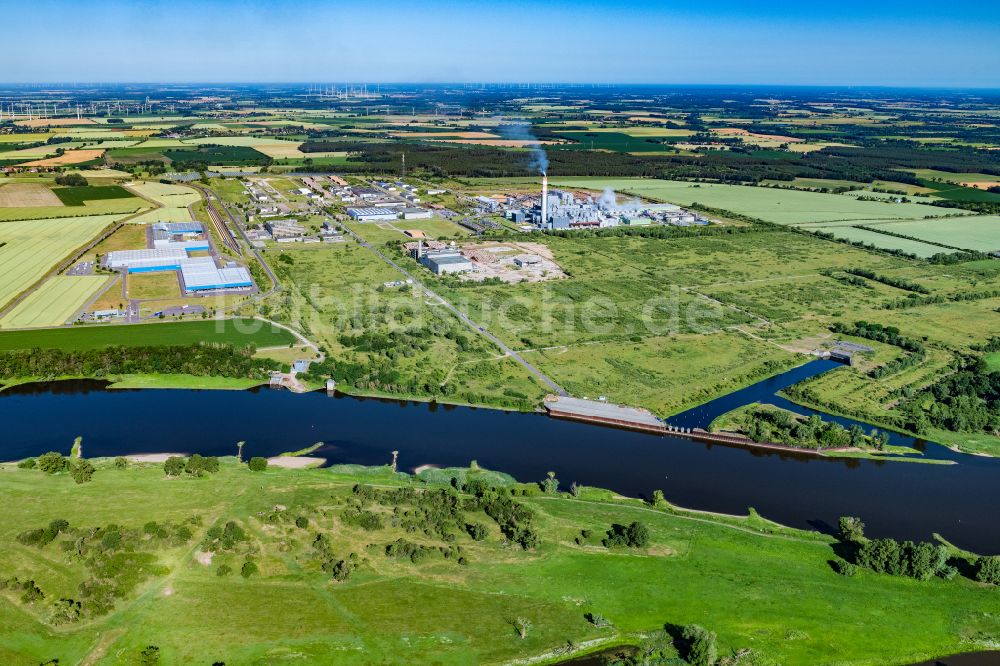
(600, 409)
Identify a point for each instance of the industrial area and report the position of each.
(563, 210)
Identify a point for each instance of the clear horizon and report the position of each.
(859, 44)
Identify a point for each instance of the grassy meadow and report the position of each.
(756, 584)
(226, 331)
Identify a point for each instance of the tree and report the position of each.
(700, 646)
(53, 463)
(121, 462)
(82, 471)
(658, 499)
(257, 464)
(173, 466)
(248, 569)
(851, 529)
(550, 484)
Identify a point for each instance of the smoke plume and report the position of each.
(522, 132)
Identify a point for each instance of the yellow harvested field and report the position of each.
(446, 135)
(69, 157)
(23, 138)
(813, 147)
(31, 248)
(982, 185)
(54, 122)
(162, 215)
(22, 195)
(165, 194)
(55, 302)
(504, 143)
(643, 131)
(739, 131)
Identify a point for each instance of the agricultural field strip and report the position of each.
(55, 302)
(34, 247)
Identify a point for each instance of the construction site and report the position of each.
(510, 262)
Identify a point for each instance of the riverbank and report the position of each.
(733, 575)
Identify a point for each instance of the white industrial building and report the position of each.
(197, 273)
(442, 262)
(372, 214)
(417, 214)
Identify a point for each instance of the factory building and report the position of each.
(188, 236)
(416, 214)
(372, 214)
(197, 273)
(447, 261)
(201, 274)
(145, 261)
(285, 230)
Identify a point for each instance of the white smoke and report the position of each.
(609, 200)
(522, 132)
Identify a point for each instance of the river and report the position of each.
(898, 499)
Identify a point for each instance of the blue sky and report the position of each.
(804, 42)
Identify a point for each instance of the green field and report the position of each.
(883, 241)
(78, 196)
(118, 207)
(227, 155)
(29, 249)
(756, 584)
(225, 331)
(772, 205)
(55, 302)
(980, 232)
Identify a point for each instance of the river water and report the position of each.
(897, 499)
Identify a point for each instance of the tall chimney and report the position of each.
(545, 199)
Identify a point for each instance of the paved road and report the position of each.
(464, 317)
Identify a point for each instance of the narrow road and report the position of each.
(468, 321)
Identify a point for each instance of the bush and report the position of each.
(249, 569)
(257, 464)
(53, 463)
(223, 570)
(173, 466)
(302, 522)
(988, 570)
(477, 531)
(845, 568)
(149, 656)
(121, 462)
(28, 463)
(635, 535)
(82, 471)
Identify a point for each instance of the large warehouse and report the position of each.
(197, 273)
(372, 214)
(144, 261)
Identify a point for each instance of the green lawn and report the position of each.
(169, 333)
(756, 584)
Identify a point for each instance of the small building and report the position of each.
(286, 229)
(526, 260)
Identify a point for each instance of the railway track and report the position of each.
(223, 231)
